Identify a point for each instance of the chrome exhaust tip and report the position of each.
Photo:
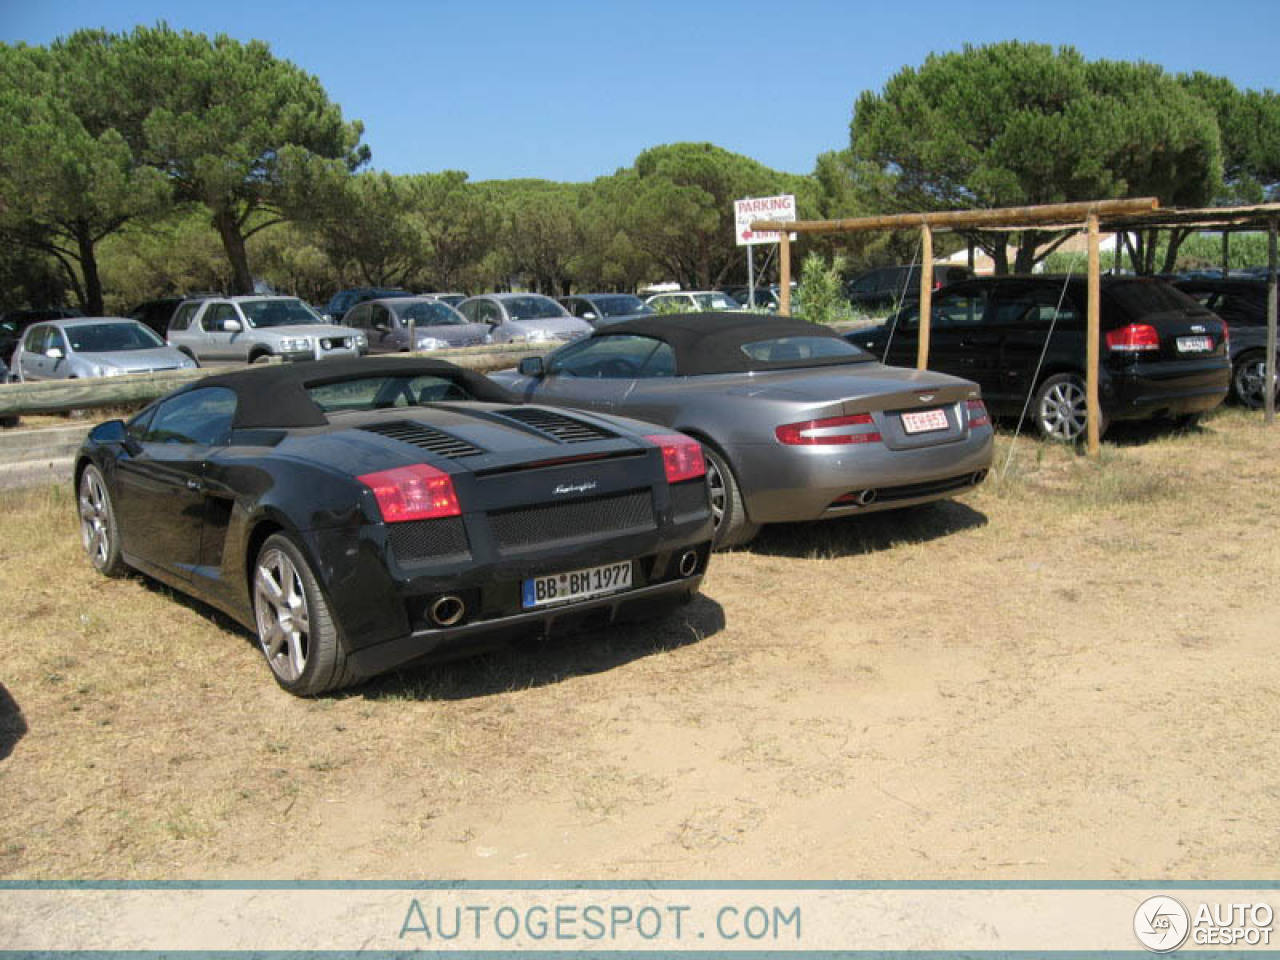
(447, 611)
(978, 477)
(688, 563)
(866, 498)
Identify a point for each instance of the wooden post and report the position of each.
(1270, 369)
(926, 296)
(1093, 340)
(784, 271)
(1226, 253)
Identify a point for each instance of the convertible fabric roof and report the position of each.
(276, 395)
(712, 342)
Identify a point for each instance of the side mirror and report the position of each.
(231, 325)
(54, 353)
(114, 432)
(589, 316)
(531, 367)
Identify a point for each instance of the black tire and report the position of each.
(1248, 380)
(732, 528)
(305, 654)
(99, 532)
(1187, 421)
(1059, 409)
(259, 356)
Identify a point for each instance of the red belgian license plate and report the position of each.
(923, 421)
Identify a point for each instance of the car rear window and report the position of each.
(380, 393)
(1143, 299)
(791, 349)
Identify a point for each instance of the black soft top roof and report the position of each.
(276, 395)
(712, 342)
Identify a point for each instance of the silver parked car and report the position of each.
(797, 423)
(523, 318)
(436, 325)
(92, 347)
(695, 300)
(249, 329)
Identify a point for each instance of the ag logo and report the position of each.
(1161, 924)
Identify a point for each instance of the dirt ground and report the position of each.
(1069, 674)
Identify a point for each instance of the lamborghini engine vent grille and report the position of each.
(565, 429)
(425, 438)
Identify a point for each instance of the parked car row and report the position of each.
(364, 514)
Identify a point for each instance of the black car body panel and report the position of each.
(1002, 333)
(541, 492)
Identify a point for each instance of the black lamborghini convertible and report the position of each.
(363, 514)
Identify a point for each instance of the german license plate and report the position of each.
(577, 585)
(922, 421)
(1195, 344)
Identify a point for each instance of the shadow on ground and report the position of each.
(549, 660)
(13, 726)
(870, 533)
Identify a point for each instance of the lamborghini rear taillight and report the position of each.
(418, 492)
(681, 456)
(856, 428)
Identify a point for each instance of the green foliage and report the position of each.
(820, 297)
(1016, 123)
(1249, 123)
(67, 175)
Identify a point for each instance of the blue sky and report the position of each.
(573, 90)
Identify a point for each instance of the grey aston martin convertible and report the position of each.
(797, 423)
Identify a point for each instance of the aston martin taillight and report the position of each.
(831, 430)
(681, 456)
(978, 416)
(418, 492)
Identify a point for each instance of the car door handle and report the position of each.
(194, 485)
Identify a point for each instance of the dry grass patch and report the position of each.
(1068, 673)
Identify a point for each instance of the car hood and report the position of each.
(560, 325)
(135, 360)
(456, 335)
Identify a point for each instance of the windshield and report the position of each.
(533, 308)
(716, 301)
(430, 314)
(277, 313)
(793, 349)
(377, 393)
(110, 337)
(620, 306)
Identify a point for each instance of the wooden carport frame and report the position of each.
(1117, 215)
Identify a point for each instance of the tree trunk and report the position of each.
(89, 270)
(233, 244)
(1176, 236)
(1026, 256)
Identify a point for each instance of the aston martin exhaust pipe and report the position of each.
(447, 611)
(688, 563)
(866, 498)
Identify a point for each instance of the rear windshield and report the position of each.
(277, 313)
(380, 393)
(792, 349)
(1144, 298)
(110, 337)
(621, 306)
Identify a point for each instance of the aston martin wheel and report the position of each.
(98, 530)
(732, 529)
(295, 628)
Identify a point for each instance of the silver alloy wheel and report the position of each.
(1063, 411)
(1251, 378)
(719, 495)
(94, 532)
(284, 622)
